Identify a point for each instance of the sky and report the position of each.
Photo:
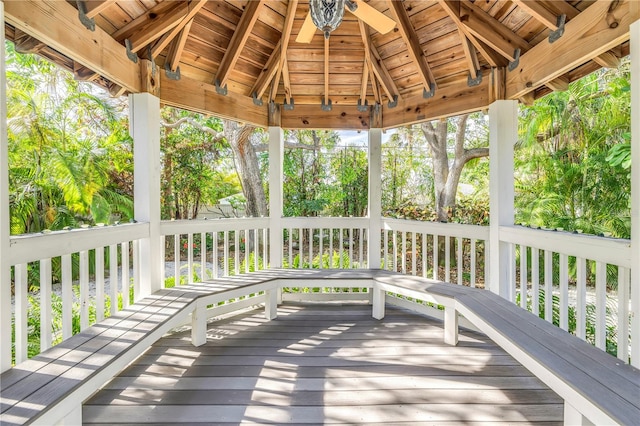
(352, 137)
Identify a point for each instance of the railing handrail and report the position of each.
(173, 227)
(459, 230)
(614, 251)
(33, 247)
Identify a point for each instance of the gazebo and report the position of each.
(356, 65)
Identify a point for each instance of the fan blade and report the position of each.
(307, 31)
(372, 17)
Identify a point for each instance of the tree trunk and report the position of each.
(247, 166)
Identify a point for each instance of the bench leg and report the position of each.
(378, 303)
(73, 418)
(199, 326)
(450, 326)
(271, 304)
(279, 291)
(574, 417)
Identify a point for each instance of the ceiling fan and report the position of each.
(326, 15)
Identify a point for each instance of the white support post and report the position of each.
(375, 198)
(5, 273)
(199, 326)
(73, 418)
(574, 417)
(503, 134)
(450, 326)
(145, 130)
(635, 193)
(276, 159)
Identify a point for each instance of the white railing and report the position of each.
(426, 248)
(207, 249)
(325, 242)
(107, 257)
(581, 272)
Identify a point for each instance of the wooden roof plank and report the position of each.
(139, 22)
(238, 40)
(413, 45)
(586, 36)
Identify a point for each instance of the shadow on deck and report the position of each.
(325, 363)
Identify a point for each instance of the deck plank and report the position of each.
(325, 364)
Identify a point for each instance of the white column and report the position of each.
(635, 193)
(145, 130)
(503, 134)
(375, 198)
(276, 159)
(5, 274)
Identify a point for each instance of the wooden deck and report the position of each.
(325, 364)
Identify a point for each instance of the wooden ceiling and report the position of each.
(236, 57)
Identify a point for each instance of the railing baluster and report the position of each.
(350, 248)
(523, 276)
(310, 248)
(601, 305)
(113, 277)
(67, 296)
(535, 280)
(84, 290)
(436, 250)
(136, 268)
(395, 250)
(581, 297)
(203, 256)
(22, 309)
(413, 253)
(564, 291)
(447, 258)
(176, 259)
(321, 248)
(424, 255)
(214, 254)
(265, 240)
(330, 247)
(300, 248)
(45, 304)
(385, 250)
(190, 258)
(473, 265)
(225, 253)
(245, 233)
(125, 273)
(548, 286)
(404, 252)
(459, 266)
(236, 252)
(361, 232)
(290, 263)
(623, 313)
(99, 255)
(256, 254)
(512, 272)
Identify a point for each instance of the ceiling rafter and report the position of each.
(284, 45)
(539, 12)
(238, 40)
(491, 31)
(364, 84)
(24, 43)
(267, 73)
(470, 54)
(96, 7)
(177, 47)
(158, 27)
(193, 9)
(452, 8)
(413, 44)
(376, 66)
(286, 81)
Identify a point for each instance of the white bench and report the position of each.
(50, 387)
